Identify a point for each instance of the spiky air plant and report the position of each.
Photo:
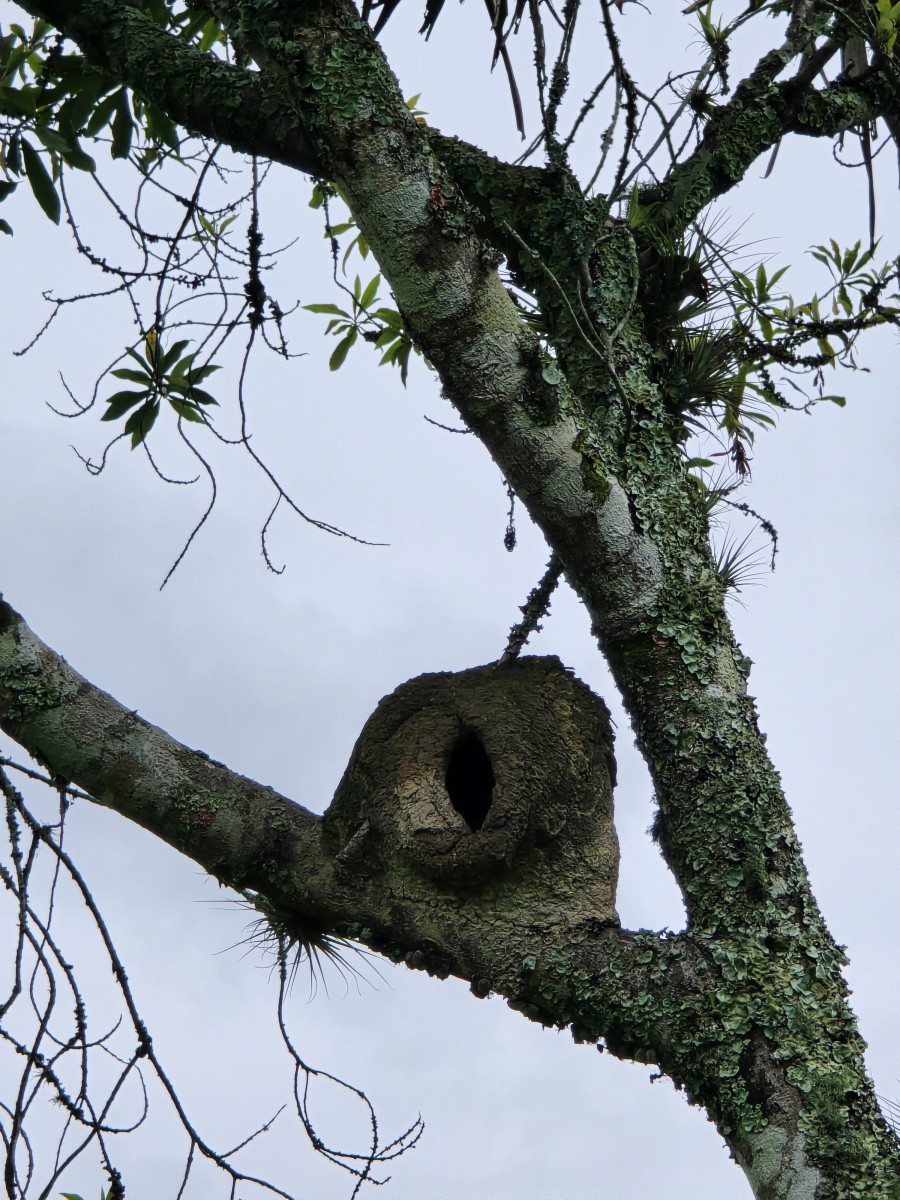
(702, 372)
(288, 943)
(891, 1110)
(739, 563)
(674, 290)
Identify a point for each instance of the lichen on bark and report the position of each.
(746, 1009)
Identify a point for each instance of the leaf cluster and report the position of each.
(887, 18)
(52, 94)
(50, 99)
(820, 332)
(382, 326)
(730, 343)
(169, 375)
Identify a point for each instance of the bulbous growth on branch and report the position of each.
(500, 776)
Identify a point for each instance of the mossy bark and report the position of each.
(747, 1009)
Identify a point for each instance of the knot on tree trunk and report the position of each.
(497, 778)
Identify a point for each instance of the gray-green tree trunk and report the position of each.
(746, 1009)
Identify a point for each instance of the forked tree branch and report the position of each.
(748, 1008)
(253, 839)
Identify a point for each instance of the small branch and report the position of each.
(536, 606)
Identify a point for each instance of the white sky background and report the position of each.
(275, 677)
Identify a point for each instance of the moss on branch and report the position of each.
(747, 1009)
(761, 112)
(250, 111)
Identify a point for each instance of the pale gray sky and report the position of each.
(276, 676)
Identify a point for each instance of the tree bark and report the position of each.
(746, 1010)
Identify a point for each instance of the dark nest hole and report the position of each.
(470, 779)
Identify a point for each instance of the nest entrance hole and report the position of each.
(470, 779)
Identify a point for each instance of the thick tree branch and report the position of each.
(249, 837)
(252, 112)
(240, 832)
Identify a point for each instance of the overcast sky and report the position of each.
(275, 677)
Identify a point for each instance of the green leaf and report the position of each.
(184, 372)
(5, 227)
(186, 410)
(41, 183)
(355, 244)
(849, 260)
(16, 57)
(341, 350)
(159, 127)
(172, 355)
(403, 360)
(74, 112)
(865, 258)
(132, 353)
(331, 309)
(121, 402)
(389, 316)
(14, 155)
(198, 374)
(51, 138)
(212, 33)
(141, 422)
(79, 159)
(370, 292)
(7, 187)
(201, 397)
(20, 100)
(122, 126)
(386, 337)
(132, 376)
(182, 366)
(101, 115)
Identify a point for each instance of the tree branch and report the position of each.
(249, 837)
(762, 111)
(242, 833)
(252, 112)
(765, 1035)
